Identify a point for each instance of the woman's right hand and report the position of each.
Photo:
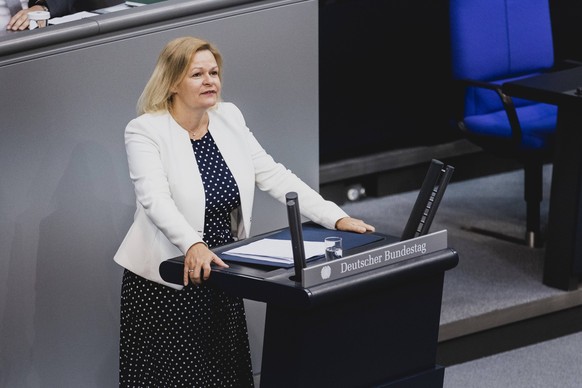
(197, 263)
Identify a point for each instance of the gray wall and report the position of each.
(65, 197)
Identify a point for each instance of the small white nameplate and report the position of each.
(374, 258)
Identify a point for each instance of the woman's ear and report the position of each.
(174, 89)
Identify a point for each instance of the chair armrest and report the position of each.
(506, 100)
(467, 82)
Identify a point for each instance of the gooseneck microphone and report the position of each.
(296, 230)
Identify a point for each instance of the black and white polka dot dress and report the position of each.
(197, 336)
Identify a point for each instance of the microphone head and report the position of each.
(291, 197)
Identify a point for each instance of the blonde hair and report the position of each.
(171, 67)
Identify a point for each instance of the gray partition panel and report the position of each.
(65, 196)
(18, 41)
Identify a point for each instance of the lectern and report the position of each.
(377, 327)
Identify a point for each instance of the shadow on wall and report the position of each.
(77, 284)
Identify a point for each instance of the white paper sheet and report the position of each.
(276, 251)
(70, 18)
(113, 8)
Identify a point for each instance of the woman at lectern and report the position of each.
(194, 165)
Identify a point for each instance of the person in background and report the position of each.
(194, 165)
(9, 8)
(56, 8)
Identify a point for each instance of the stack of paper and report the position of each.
(275, 251)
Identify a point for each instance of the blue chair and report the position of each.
(492, 42)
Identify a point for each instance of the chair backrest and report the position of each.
(498, 40)
(492, 39)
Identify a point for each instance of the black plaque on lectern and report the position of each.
(428, 199)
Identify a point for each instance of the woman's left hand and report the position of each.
(197, 263)
(350, 224)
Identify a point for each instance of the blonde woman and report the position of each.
(194, 165)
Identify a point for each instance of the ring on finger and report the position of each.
(190, 270)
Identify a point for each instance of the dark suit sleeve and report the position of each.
(58, 8)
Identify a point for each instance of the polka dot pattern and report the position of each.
(197, 336)
(220, 190)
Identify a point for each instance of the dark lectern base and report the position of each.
(385, 337)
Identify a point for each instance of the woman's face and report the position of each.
(200, 88)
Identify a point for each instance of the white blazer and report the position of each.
(170, 202)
